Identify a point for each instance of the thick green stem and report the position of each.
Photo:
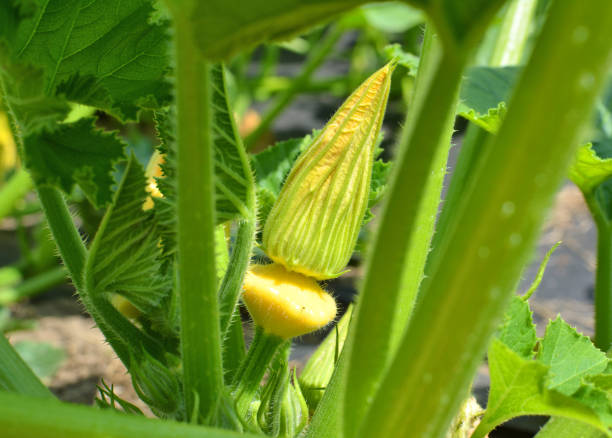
(25, 417)
(493, 231)
(34, 285)
(603, 275)
(14, 190)
(66, 236)
(16, 376)
(513, 33)
(398, 254)
(603, 289)
(197, 283)
(316, 58)
(251, 372)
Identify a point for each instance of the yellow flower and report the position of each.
(313, 226)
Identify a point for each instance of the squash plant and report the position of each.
(401, 366)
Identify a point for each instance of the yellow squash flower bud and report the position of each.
(284, 303)
(313, 226)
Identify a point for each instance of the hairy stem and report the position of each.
(197, 283)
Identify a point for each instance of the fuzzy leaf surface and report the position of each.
(518, 332)
(570, 356)
(72, 154)
(125, 257)
(518, 388)
(233, 179)
(102, 53)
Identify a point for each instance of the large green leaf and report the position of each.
(224, 28)
(73, 154)
(484, 93)
(570, 356)
(233, 179)
(517, 388)
(104, 53)
(125, 256)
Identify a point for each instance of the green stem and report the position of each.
(34, 285)
(603, 275)
(493, 231)
(513, 33)
(234, 349)
(316, 58)
(239, 262)
(66, 236)
(197, 283)
(16, 376)
(252, 370)
(399, 251)
(25, 417)
(18, 185)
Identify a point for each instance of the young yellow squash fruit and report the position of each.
(284, 303)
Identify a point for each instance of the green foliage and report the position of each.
(43, 358)
(221, 32)
(73, 154)
(390, 17)
(484, 95)
(125, 257)
(104, 54)
(518, 330)
(592, 166)
(569, 377)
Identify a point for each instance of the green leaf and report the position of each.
(125, 257)
(408, 60)
(518, 332)
(24, 93)
(221, 32)
(571, 357)
(378, 184)
(75, 154)
(104, 54)
(517, 388)
(484, 94)
(559, 427)
(43, 358)
(233, 178)
(392, 17)
(592, 166)
(272, 165)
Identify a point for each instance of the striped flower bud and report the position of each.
(313, 226)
